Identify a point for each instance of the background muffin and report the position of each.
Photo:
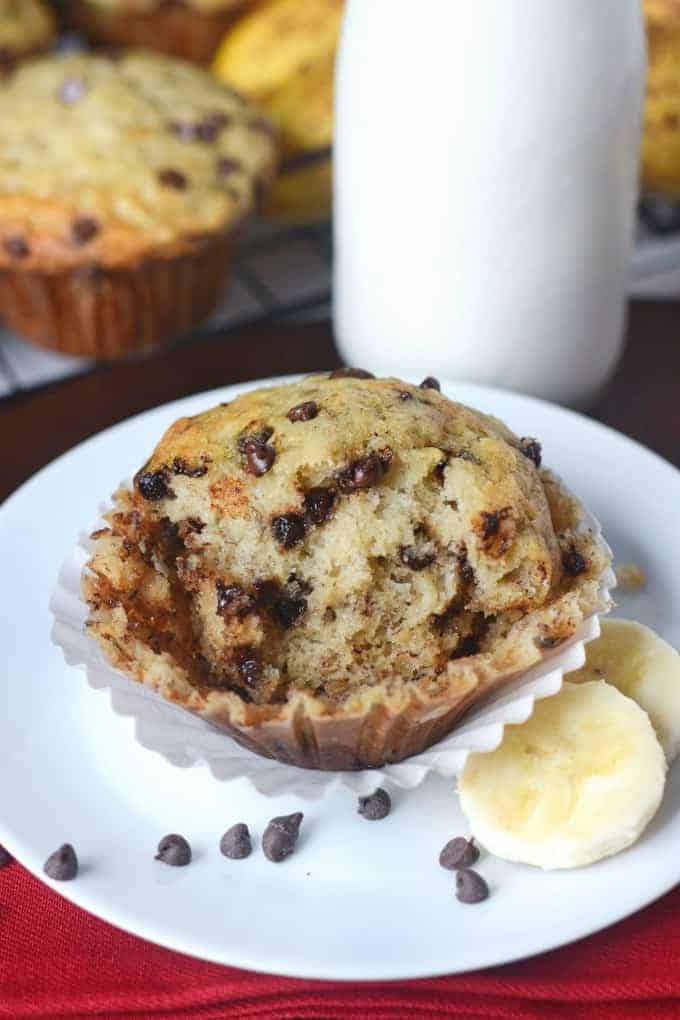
(122, 183)
(333, 570)
(191, 29)
(26, 28)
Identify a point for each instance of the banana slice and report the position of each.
(578, 781)
(645, 668)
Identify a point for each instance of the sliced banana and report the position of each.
(578, 781)
(645, 668)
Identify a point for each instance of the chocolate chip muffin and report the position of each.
(26, 28)
(122, 185)
(191, 29)
(334, 570)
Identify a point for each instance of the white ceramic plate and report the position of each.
(358, 899)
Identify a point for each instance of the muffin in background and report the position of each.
(282, 56)
(26, 28)
(191, 29)
(123, 183)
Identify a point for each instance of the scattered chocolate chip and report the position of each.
(281, 835)
(303, 412)
(376, 806)
(6, 60)
(236, 843)
(16, 246)
(232, 600)
(415, 559)
(71, 90)
(227, 165)
(258, 437)
(289, 529)
(386, 456)
(83, 229)
(548, 642)
(62, 865)
(491, 522)
(459, 853)
(259, 457)
(181, 467)
(170, 178)
(573, 563)
(430, 383)
(470, 887)
(466, 455)
(174, 850)
(249, 666)
(467, 574)
(205, 130)
(5, 857)
(319, 504)
(531, 448)
(153, 485)
(361, 474)
(351, 373)
(287, 611)
(468, 645)
(405, 395)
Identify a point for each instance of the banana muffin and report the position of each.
(191, 29)
(123, 183)
(26, 28)
(334, 570)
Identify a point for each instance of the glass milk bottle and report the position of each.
(486, 163)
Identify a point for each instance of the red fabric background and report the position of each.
(57, 962)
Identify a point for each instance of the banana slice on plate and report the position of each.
(578, 781)
(642, 666)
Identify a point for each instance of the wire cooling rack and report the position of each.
(280, 273)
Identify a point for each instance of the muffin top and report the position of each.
(25, 25)
(108, 160)
(205, 6)
(336, 534)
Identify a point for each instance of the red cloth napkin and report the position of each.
(58, 962)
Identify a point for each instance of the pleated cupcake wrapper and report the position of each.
(176, 29)
(106, 313)
(186, 740)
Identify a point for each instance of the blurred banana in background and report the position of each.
(661, 134)
(281, 55)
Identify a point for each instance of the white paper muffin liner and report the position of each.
(186, 740)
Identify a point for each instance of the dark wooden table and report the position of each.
(643, 399)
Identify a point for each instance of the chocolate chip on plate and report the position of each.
(459, 853)
(281, 835)
(376, 806)
(5, 857)
(232, 600)
(289, 529)
(304, 412)
(249, 665)
(170, 178)
(470, 887)
(153, 485)
(430, 383)
(319, 504)
(182, 467)
(236, 842)
(351, 373)
(405, 395)
(174, 850)
(16, 246)
(84, 229)
(259, 457)
(531, 448)
(573, 563)
(62, 865)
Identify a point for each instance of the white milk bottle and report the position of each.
(486, 163)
